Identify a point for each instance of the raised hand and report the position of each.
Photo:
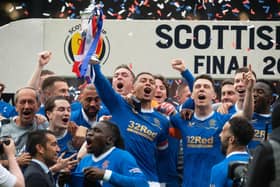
(249, 78)
(64, 164)
(94, 60)
(9, 148)
(44, 58)
(178, 65)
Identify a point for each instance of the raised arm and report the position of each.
(248, 105)
(105, 90)
(12, 163)
(44, 58)
(180, 66)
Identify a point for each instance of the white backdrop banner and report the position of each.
(213, 47)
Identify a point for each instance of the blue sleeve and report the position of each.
(130, 175)
(217, 178)
(109, 97)
(189, 103)
(128, 181)
(103, 111)
(162, 141)
(189, 78)
(7, 110)
(175, 120)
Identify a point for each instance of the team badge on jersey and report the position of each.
(191, 124)
(105, 164)
(156, 122)
(212, 123)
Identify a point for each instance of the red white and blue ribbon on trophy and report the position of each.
(87, 49)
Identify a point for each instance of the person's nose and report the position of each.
(26, 104)
(57, 149)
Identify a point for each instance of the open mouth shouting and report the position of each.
(120, 85)
(147, 91)
(241, 92)
(89, 144)
(27, 114)
(65, 121)
(201, 97)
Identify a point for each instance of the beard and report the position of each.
(224, 147)
(91, 112)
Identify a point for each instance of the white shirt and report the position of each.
(7, 179)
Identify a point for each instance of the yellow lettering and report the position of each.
(210, 140)
(198, 140)
(204, 141)
(262, 134)
(131, 124)
(143, 128)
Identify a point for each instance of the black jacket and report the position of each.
(261, 169)
(35, 176)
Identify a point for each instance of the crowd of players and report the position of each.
(132, 132)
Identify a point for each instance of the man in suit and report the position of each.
(43, 147)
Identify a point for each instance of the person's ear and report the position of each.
(132, 90)
(232, 140)
(214, 96)
(40, 149)
(48, 114)
(109, 140)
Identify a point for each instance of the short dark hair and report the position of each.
(227, 82)
(241, 129)
(125, 67)
(34, 138)
(49, 82)
(46, 72)
(244, 70)
(269, 84)
(142, 73)
(275, 119)
(117, 138)
(207, 77)
(50, 103)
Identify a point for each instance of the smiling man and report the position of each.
(240, 86)
(261, 120)
(27, 104)
(58, 111)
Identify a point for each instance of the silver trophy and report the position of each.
(85, 17)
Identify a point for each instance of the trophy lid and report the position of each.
(85, 14)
